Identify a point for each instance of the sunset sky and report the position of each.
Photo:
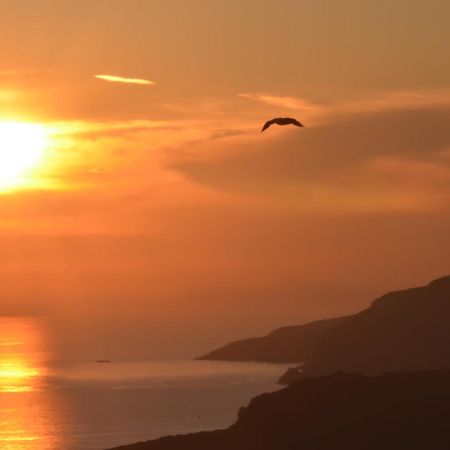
(140, 203)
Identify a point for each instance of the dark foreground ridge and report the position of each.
(401, 331)
(340, 411)
(286, 345)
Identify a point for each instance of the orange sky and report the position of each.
(159, 201)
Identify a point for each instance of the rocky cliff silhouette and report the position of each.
(407, 330)
(286, 345)
(352, 412)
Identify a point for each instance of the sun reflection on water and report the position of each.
(26, 411)
(21, 354)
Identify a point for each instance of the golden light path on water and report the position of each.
(26, 408)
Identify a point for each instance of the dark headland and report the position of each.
(377, 380)
(293, 344)
(407, 330)
(352, 412)
(402, 330)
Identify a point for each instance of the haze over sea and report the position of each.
(51, 403)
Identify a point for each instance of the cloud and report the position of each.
(118, 79)
(112, 128)
(322, 112)
(283, 101)
(374, 161)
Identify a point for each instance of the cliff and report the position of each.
(340, 411)
(407, 330)
(289, 344)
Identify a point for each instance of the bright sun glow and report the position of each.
(21, 148)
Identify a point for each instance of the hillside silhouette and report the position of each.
(292, 344)
(335, 412)
(402, 330)
(407, 330)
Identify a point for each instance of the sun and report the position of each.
(22, 146)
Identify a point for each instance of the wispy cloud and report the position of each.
(283, 101)
(322, 113)
(118, 79)
(380, 160)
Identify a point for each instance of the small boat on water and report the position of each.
(103, 361)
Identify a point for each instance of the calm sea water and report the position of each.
(85, 405)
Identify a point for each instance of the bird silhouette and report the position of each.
(281, 121)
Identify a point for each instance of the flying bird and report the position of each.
(281, 121)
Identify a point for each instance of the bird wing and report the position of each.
(296, 122)
(268, 124)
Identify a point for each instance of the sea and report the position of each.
(63, 404)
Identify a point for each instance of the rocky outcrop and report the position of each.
(285, 345)
(406, 330)
(340, 411)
